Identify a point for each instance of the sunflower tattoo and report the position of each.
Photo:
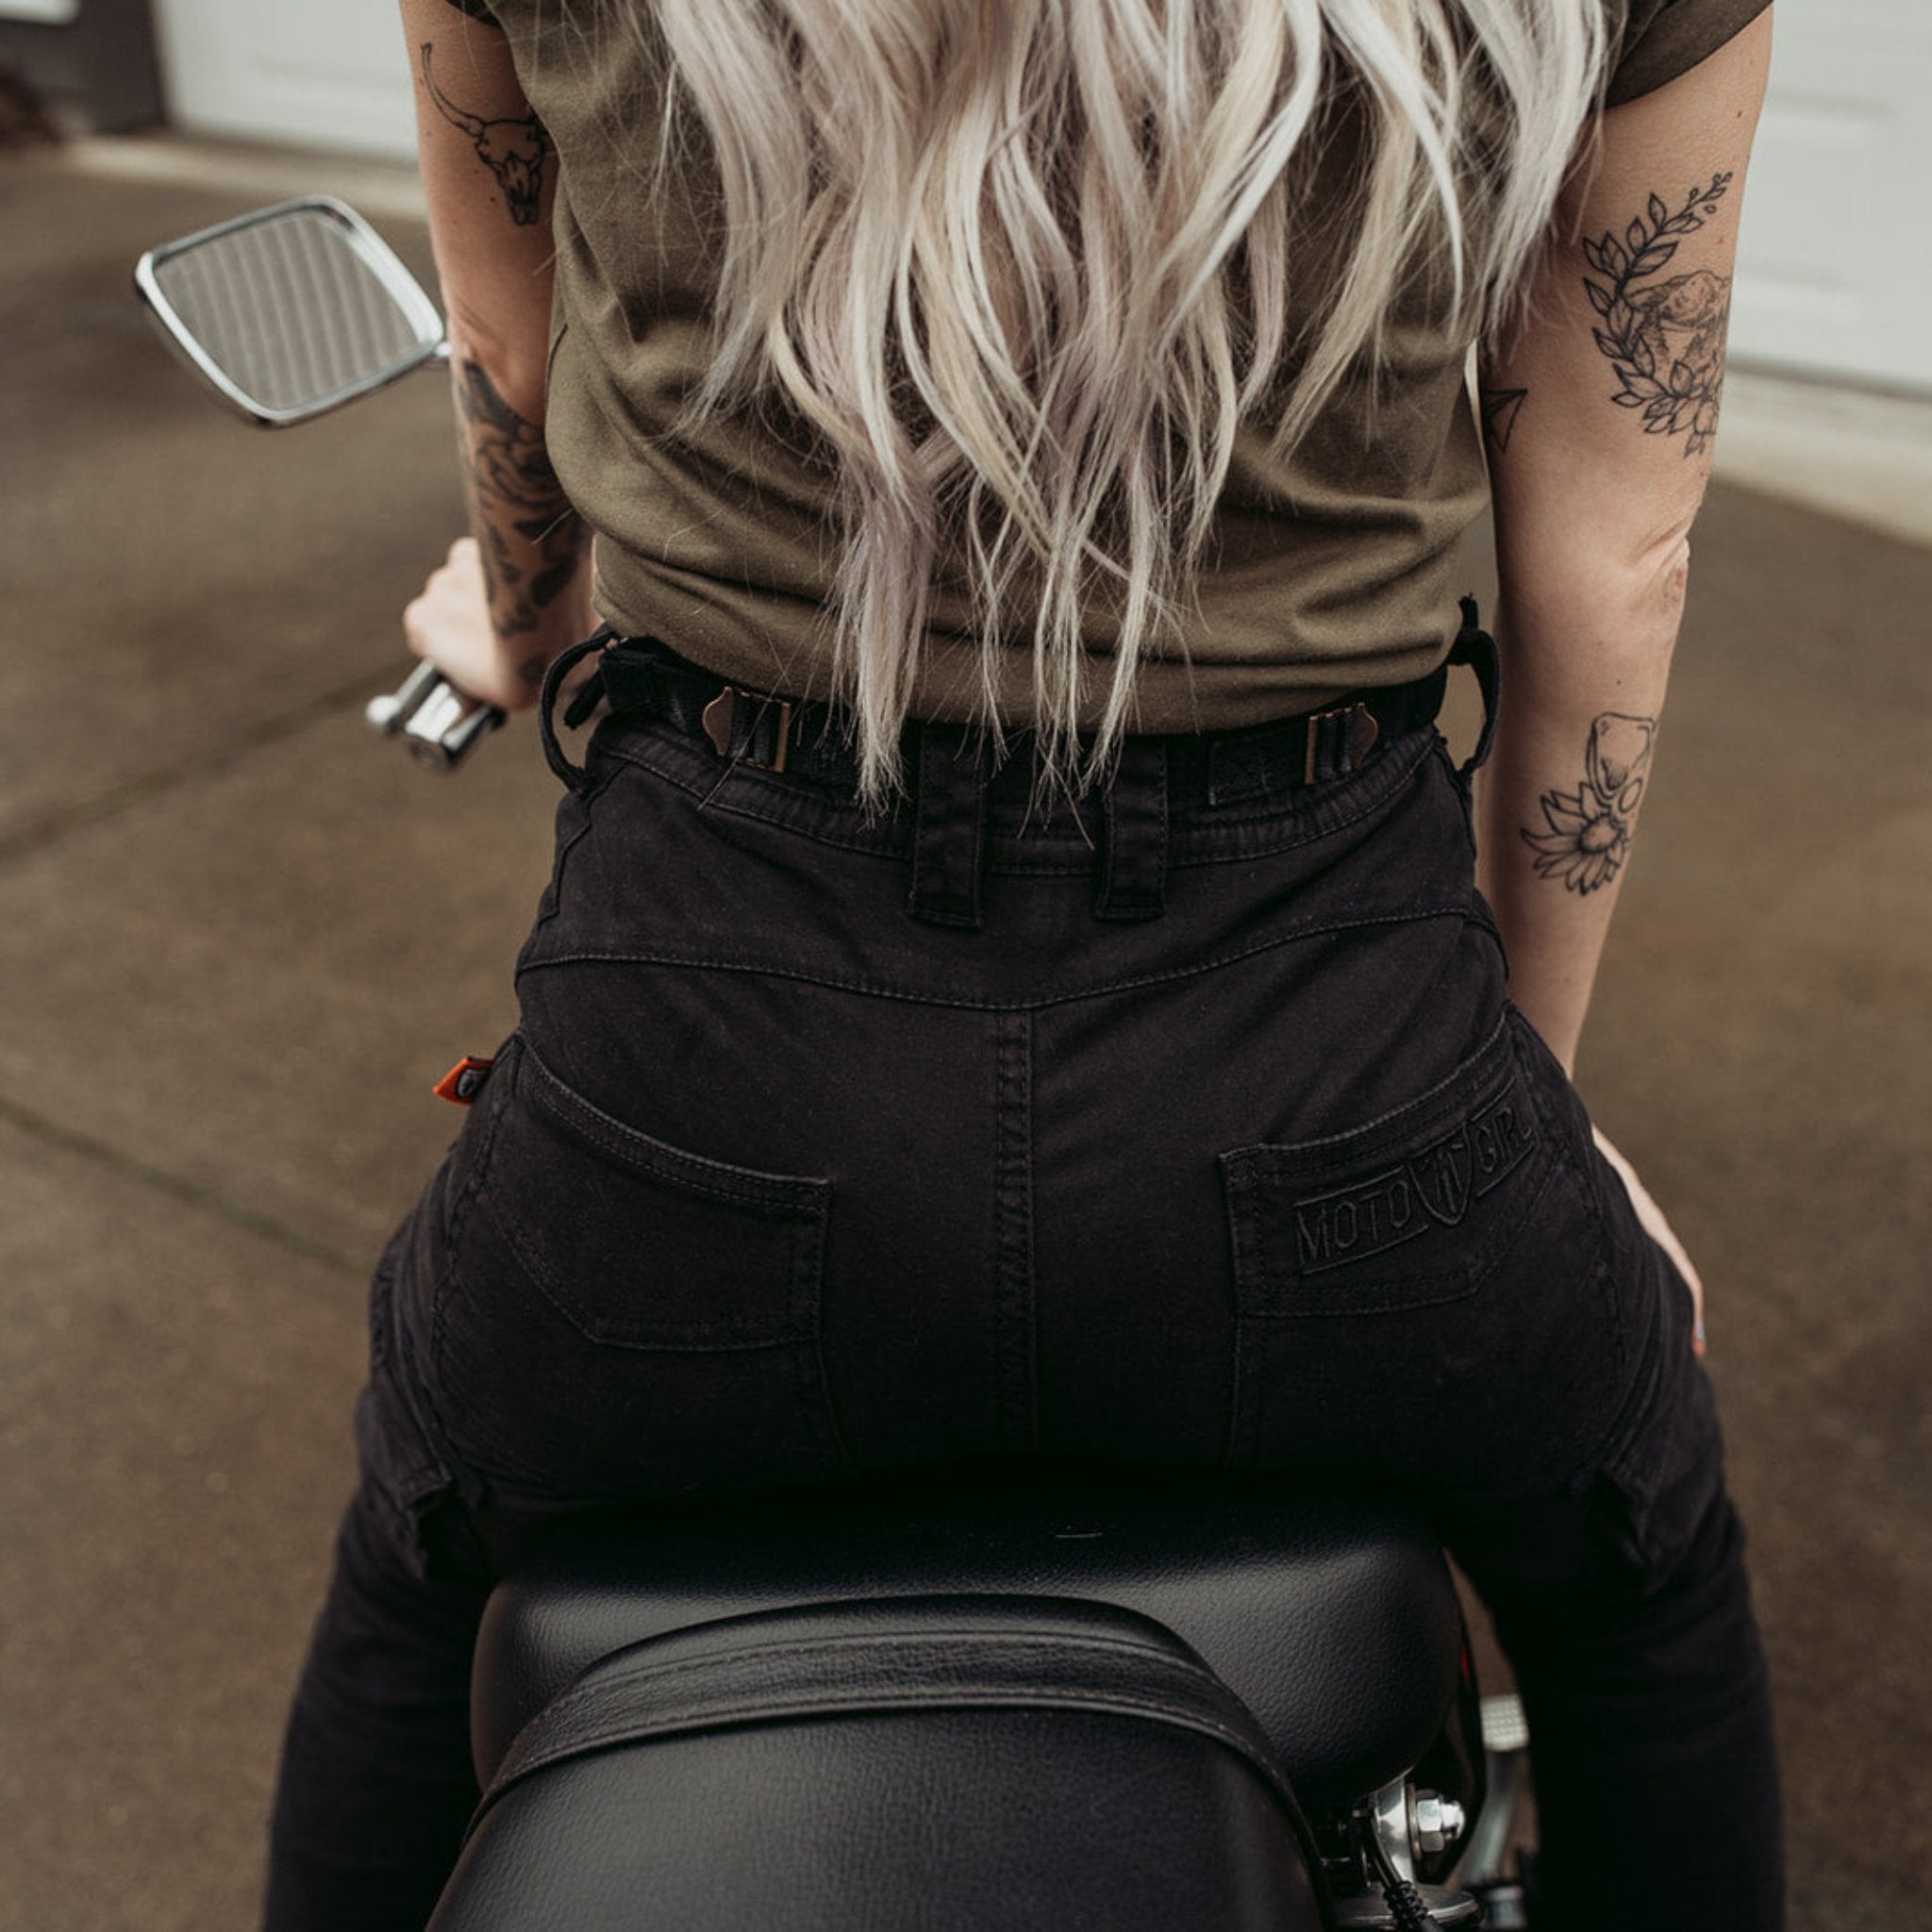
(1589, 836)
(1665, 338)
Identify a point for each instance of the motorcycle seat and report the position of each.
(950, 1764)
(1328, 1612)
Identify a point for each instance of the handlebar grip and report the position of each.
(440, 724)
(389, 713)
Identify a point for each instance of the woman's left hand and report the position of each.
(449, 624)
(1651, 1217)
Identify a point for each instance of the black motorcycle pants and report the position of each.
(1191, 1125)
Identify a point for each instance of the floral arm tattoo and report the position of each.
(1588, 829)
(531, 538)
(1663, 335)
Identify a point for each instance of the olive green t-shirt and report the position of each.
(1327, 572)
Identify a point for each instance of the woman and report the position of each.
(1014, 978)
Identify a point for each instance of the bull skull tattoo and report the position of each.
(513, 150)
(1588, 829)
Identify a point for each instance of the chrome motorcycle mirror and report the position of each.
(292, 310)
(287, 313)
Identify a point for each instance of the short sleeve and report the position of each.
(1663, 39)
(477, 9)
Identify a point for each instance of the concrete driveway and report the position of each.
(239, 938)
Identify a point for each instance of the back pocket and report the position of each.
(620, 1318)
(642, 1245)
(1412, 1209)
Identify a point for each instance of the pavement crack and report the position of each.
(36, 834)
(190, 1193)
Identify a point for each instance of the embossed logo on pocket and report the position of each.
(1367, 1219)
(1432, 1188)
(1442, 1177)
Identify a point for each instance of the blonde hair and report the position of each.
(1023, 266)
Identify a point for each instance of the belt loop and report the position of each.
(949, 824)
(1476, 648)
(571, 774)
(1133, 855)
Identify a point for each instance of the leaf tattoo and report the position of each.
(1664, 338)
(1588, 829)
(514, 490)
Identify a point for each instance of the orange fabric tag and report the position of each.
(464, 1080)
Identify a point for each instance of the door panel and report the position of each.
(331, 73)
(1835, 262)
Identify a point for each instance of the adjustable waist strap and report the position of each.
(642, 679)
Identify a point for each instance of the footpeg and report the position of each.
(1505, 1727)
(1506, 1777)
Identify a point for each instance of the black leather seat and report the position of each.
(968, 1699)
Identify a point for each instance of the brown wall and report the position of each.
(99, 71)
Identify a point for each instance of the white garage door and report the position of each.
(331, 73)
(1836, 274)
(1835, 269)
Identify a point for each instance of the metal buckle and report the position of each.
(1359, 732)
(720, 717)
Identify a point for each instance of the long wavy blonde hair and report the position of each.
(1024, 265)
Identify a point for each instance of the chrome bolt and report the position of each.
(1439, 1821)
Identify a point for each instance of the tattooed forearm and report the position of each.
(1664, 338)
(530, 538)
(1501, 407)
(1589, 835)
(513, 150)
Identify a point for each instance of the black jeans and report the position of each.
(1191, 1127)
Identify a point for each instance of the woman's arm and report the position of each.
(516, 593)
(1599, 413)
